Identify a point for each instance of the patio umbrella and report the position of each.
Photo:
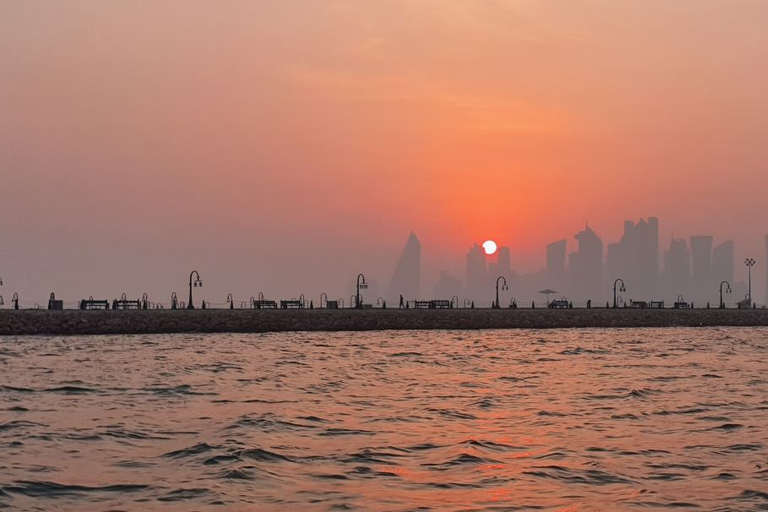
(547, 292)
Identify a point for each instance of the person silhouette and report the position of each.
(402, 303)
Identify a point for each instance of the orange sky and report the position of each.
(287, 145)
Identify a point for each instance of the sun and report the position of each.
(489, 246)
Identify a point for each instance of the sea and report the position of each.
(502, 420)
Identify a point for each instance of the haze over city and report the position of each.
(286, 146)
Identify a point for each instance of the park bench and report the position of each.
(558, 304)
(441, 304)
(656, 304)
(126, 304)
(682, 305)
(291, 304)
(264, 304)
(94, 304)
(331, 304)
(638, 304)
(422, 304)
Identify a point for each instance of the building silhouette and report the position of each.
(477, 274)
(406, 279)
(722, 264)
(503, 264)
(701, 259)
(636, 257)
(556, 265)
(586, 266)
(677, 269)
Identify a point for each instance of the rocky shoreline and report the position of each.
(76, 322)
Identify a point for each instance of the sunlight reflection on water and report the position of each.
(447, 420)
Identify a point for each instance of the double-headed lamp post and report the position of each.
(618, 288)
(503, 287)
(361, 285)
(749, 262)
(727, 290)
(197, 282)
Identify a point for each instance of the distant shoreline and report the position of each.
(77, 322)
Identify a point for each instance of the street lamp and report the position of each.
(15, 300)
(323, 296)
(749, 262)
(727, 290)
(621, 288)
(361, 285)
(231, 301)
(503, 287)
(197, 282)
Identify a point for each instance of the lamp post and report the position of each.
(231, 301)
(197, 282)
(749, 262)
(727, 290)
(145, 301)
(15, 300)
(455, 299)
(621, 288)
(174, 301)
(503, 287)
(361, 285)
(323, 296)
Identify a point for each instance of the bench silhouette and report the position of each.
(92, 303)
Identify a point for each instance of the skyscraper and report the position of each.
(477, 274)
(677, 269)
(586, 266)
(722, 264)
(636, 258)
(701, 257)
(406, 280)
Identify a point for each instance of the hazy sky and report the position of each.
(284, 146)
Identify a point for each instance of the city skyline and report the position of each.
(581, 268)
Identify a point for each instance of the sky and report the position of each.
(284, 147)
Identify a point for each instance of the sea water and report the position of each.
(598, 419)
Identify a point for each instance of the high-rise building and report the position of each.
(722, 264)
(556, 265)
(677, 269)
(636, 258)
(701, 258)
(406, 280)
(477, 274)
(586, 267)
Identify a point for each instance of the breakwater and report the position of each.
(77, 322)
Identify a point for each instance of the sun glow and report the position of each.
(489, 246)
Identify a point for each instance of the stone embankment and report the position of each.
(76, 322)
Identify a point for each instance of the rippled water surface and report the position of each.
(441, 420)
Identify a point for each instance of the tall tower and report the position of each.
(477, 273)
(406, 280)
(587, 266)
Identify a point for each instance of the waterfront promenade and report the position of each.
(77, 322)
